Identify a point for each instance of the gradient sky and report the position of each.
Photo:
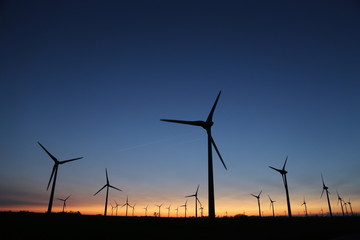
(93, 79)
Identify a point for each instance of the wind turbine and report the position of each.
(349, 203)
(325, 188)
(116, 206)
(185, 206)
(54, 174)
(272, 205)
(345, 205)
(341, 203)
(168, 208)
(159, 206)
(304, 203)
(283, 173)
(177, 211)
(107, 186)
(64, 202)
(127, 205)
(112, 209)
(207, 126)
(133, 209)
(146, 210)
(196, 199)
(258, 200)
(201, 210)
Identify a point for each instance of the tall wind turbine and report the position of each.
(107, 186)
(64, 202)
(185, 206)
(325, 188)
(159, 206)
(133, 209)
(54, 174)
(258, 200)
(146, 210)
(283, 173)
(168, 208)
(116, 206)
(196, 199)
(207, 126)
(341, 203)
(304, 203)
(272, 205)
(127, 205)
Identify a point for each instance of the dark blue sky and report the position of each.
(93, 78)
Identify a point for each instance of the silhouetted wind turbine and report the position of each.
(64, 202)
(146, 210)
(345, 205)
(116, 206)
(133, 209)
(325, 188)
(304, 203)
(352, 214)
(283, 173)
(107, 186)
(112, 209)
(258, 200)
(168, 208)
(201, 210)
(196, 199)
(272, 205)
(207, 126)
(127, 205)
(177, 211)
(341, 203)
(185, 206)
(159, 206)
(54, 174)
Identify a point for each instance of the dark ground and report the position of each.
(18, 225)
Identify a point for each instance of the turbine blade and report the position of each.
(107, 178)
(285, 163)
(190, 196)
(70, 160)
(52, 157)
(115, 188)
(67, 197)
(194, 123)
(278, 170)
(209, 118)
(217, 150)
(260, 193)
(253, 195)
(197, 189)
(198, 200)
(52, 175)
(100, 189)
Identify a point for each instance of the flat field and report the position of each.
(23, 225)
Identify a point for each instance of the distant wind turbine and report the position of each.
(64, 202)
(325, 188)
(54, 174)
(272, 205)
(159, 206)
(258, 200)
(177, 211)
(283, 173)
(133, 209)
(116, 206)
(340, 200)
(146, 208)
(126, 204)
(185, 206)
(107, 186)
(168, 208)
(201, 210)
(196, 199)
(304, 203)
(207, 126)
(345, 205)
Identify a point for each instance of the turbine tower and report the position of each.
(54, 174)
(340, 200)
(107, 186)
(146, 208)
(159, 206)
(196, 199)
(272, 205)
(258, 200)
(185, 206)
(283, 173)
(304, 203)
(325, 188)
(64, 202)
(349, 203)
(168, 208)
(207, 126)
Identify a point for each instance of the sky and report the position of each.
(92, 79)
